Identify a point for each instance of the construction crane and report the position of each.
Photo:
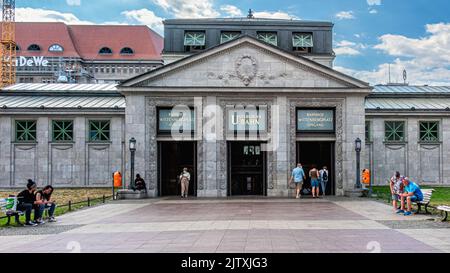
(8, 44)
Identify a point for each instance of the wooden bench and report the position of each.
(444, 212)
(427, 193)
(9, 207)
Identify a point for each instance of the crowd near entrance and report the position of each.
(317, 154)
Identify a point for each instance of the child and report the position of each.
(396, 186)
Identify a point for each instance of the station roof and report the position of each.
(409, 104)
(410, 89)
(61, 96)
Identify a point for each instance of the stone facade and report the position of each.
(271, 78)
(423, 162)
(78, 163)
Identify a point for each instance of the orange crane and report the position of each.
(8, 44)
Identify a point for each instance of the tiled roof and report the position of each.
(85, 41)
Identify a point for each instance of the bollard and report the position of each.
(104, 199)
(70, 205)
(89, 202)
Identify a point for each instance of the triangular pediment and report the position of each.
(245, 62)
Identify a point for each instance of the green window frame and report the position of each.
(26, 130)
(268, 37)
(302, 40)
(367, 131)
(429, 131)
(62, 130)
(99, 130)
(394, 131)
(194, 38)
(228, 36)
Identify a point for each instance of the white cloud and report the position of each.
(374, 2)
(73, 2)
(145, 17)
(345, 47)
(188, 8)
(373, 11)
(345, 15)
(274, 15)
(426, 59)
(346, 51)
(44, 15)
(231, 10)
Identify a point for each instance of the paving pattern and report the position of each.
(233, 225)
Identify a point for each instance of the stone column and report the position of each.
(5, 151)
(135, 115)
(279, 145)
(42, 151)
(354, 128)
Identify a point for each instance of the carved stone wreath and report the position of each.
(246, 69)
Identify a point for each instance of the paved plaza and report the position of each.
(233, 225)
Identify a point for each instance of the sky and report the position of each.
(371, 37)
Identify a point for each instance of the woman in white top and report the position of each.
(185, 177)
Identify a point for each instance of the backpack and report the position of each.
(324, 176)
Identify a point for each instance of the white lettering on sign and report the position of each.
(31, 61)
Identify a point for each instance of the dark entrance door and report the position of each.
(246, 168)
(318, 154)
(173, 157)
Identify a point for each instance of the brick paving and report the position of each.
(234, 225)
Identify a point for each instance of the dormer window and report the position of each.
(105, 51)
(126, 51)
(194, 40)
(226, 36)
(34, 47)
(55, 48)
(302, 42)
(268, 37)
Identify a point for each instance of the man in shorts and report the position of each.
(298, 175)
(396, 186)
(412, 194)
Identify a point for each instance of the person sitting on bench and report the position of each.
(139, 183)
(43, 201)
(27, 199)
(412, 193)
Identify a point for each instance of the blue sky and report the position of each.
(369, 35)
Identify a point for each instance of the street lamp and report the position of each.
(358, 163)
(132, 151)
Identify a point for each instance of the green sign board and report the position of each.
(180, 120)
(315, 120)
(247, 120)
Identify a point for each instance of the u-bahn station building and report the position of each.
(238, 102)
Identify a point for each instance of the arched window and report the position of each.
(105, 51)
(34, 47)
(126, 51)
(55, 48)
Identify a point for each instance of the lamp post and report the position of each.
(132, 150)
(358, 163)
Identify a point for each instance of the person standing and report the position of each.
(396, 186)
(298, 176)
(185, 177)
(27, 199)
(314, 175)
(323, 179)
